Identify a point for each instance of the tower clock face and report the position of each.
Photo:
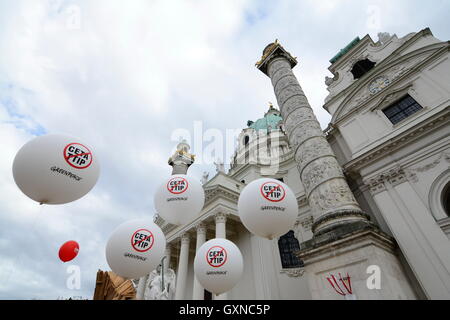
(378, 84)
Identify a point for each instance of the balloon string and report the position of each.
(18, 259)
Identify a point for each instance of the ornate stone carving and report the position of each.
(443, 155)
(319, 174)
(286, 81)
(376, 185)
(311, 150)
(384, 37)
(284, 93)
(185, 238)
(332, 195)
(320, 171)
(307, 223)
(352, 61)
(294, 272)
(328, 81)
(200, 228)
(220, 217)
(361, 97)
(298, 115)
(304, 131)
(292, 104)
(396, 176)
(393, 176)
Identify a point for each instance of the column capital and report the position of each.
(221, 217)
(201, 228)
(272, 51)
(185, 238)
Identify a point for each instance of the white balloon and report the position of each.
(218, 265)
(179, 199)
(267, 208)
(55, 169)
(135, 248)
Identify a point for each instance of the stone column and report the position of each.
(140, 290)
(327, 191)
(221, 232)
(221, 220)
(168, 254)
(198, 293)
(182, 268)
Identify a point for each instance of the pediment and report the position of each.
(393, 70)
(390, 96)
(220, 192)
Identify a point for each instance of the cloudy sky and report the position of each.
(130, 79)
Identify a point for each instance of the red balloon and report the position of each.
(69, 251)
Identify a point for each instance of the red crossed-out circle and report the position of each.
(267, 195)
(210, 260)
(178, 179)
(149, 236)
(67, 157)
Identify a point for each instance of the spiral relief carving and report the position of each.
(325, 185)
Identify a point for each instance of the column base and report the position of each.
(340, 220)
(358, 250)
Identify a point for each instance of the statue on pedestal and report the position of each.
(220, 167)
(160, 285)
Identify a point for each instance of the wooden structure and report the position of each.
(110, 286)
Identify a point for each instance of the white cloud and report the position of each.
(124, 78)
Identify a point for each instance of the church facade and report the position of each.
(390, 134)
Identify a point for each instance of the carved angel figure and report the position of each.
(154, 289)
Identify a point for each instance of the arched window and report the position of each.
(446, 199)
(246, 140)
(287, 245)
(362, 67)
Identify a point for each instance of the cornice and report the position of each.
(394, 176)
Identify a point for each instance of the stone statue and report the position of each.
(154, 289)
(205, 177)
(329, 81)
(384, 37)
(220, 167)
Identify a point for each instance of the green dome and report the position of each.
(271, 121)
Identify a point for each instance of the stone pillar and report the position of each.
(221, 232)
(344, 240)
(327, 191)
(168, 254)
(182, 268)
(140, 290)
(221, 220)
(198, 293)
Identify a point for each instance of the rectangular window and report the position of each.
(402, 109)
